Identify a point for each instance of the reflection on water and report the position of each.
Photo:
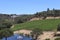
(18, 37)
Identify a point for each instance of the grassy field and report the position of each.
(50, 24)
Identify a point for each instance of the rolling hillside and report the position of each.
(48, 24)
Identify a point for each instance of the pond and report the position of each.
(18, 37)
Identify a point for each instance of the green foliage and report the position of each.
(22, 18)
(47, 13)
(47, 39)
(7, 24)
(45, 25)
(58, 28)
(57, 39)
(35, 33)
(5, 33)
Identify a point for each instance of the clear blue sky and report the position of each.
(27, 6)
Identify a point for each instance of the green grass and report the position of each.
(49, 24)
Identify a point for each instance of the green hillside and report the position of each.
(49, 24)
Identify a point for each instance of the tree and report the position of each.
(19, 21)
(7, 24)
(2, 26)
(54, 14)
(44, 14)
(48, 9)
(58, 28)
(35, 33)
(57, 39)
(6, 33)
(37, 14)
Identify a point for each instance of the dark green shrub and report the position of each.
(47, 39)
(57, 39)
(58, 28)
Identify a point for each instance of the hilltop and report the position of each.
(16, 19)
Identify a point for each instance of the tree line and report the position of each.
(23, 18)
(48, 13)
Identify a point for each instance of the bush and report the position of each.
(35, 33)
(58, 28)
(47, 39)
(57, 39)
(6, 33)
